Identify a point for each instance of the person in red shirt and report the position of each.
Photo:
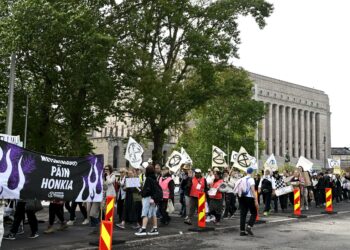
(195, 185)
(215, 202)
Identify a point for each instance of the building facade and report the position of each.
(297, 122)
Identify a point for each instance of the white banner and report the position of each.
(186, 159)
(271, 163)
(175, 160)
(305, 163)
(218, 157)
(243, 160)
(333, 163)
(134, 153)
(234, 155)
(132, 182)
(284, 190)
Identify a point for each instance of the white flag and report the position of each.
(253, 162)
(218, 157)
(134, 153)
(186, 159)
(243, 160)
(175, 160)
(305, 163)
(333, 163)
(234, 155)
(271, 163)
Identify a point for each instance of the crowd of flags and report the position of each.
(240, 160)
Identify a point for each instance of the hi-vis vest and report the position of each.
(194, 189)
(216, 185)
(164, 184)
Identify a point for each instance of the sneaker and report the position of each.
(154, 231)
(266, 213)
(233, 216)
(85, 222)
(20, 230)
(213, 219)
(243, 233)
(70, 223)
(9, 236)
(249, 230)
(137, 227)
(306, 208)
(207, 220)
(121, 226)
(33, 236)
(49, 230)
(188, 222)
(141, 232)
(63, 226)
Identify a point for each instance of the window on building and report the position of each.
(115, 157)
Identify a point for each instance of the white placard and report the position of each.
(284, 190)
(132, 182)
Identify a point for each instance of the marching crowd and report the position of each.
(227, 191)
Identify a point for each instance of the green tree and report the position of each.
(62, 50)
(168, 53)
(227, 121)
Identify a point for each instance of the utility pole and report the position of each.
(9, 117)
(257, 128)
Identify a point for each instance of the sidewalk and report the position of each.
(78, 235)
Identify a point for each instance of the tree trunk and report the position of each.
(158, 141)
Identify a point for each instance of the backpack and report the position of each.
(266, 186)
(157, 195)
(241, 187)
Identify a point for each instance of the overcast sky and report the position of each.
(306, 42)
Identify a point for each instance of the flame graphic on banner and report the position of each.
(92, 183)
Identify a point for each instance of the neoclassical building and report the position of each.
(297, 122)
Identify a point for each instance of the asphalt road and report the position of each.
(280, 232)
(329, 232)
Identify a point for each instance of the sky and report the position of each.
(306, 42)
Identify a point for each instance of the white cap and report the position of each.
(198, 171)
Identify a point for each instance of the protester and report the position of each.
(56, 209)
(248, 202)
(306, 188)
(109, 181)
(257, 179)
(121, 194)
(195, 185)
(338, 189)
(183, 189)
(267, 187)
(346, 186)
(132, 206)
(167, 184)
(230, 197)
(149, 207)
(215, 195)
(282, 199)
(18, 218)
(320, 188)
(158, 171)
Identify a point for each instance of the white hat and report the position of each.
(198, 171)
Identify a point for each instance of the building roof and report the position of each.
(341, 151)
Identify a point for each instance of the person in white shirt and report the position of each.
(248, 202)
(267, 187)
(230, 197)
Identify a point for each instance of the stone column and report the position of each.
(290, 131)
(313, 122)
(302, 133)
(296, 133)
(308, 135)
(270, 128)
(277, 130)
(283, 138)
(263, 134)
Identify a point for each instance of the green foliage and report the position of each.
(62, 50)
(168, 54)
(227, 121)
